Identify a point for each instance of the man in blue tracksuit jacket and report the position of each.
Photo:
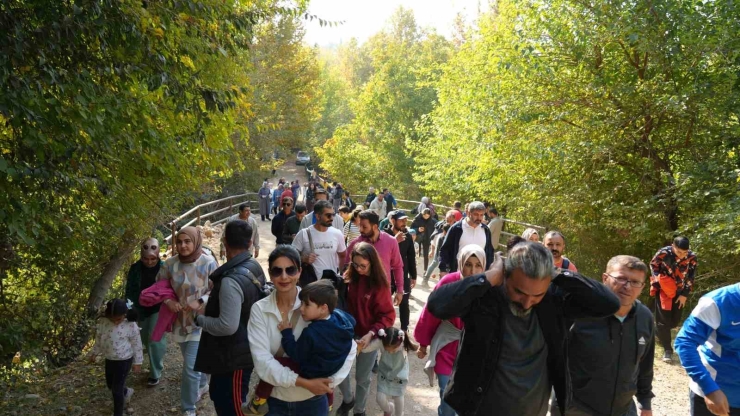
(709, 348)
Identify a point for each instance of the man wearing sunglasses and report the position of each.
(326, 248)
(611, 359)
(278, 222)
(310, 219)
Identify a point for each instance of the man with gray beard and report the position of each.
(510, 358)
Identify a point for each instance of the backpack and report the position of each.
(263, 290)
(566, 264)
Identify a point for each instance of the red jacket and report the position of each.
(372, 308)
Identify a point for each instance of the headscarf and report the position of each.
(529, 232)
(194, 235)
(469, 251)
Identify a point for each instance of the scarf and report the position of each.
(469, 251)
(194, 235)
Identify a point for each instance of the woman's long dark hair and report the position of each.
(376, 277)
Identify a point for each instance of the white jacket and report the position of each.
(264, 342)
(379, 207)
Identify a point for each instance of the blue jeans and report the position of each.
(433, 265)
(315, 406)
(192, 380)
(444, 409)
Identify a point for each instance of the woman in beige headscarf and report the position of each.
(188, 273)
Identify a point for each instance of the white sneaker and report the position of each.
(202, 392)
(127, 394)
(189, 413)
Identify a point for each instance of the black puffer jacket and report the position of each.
(481, 308)
(611, 361)
(225, 354)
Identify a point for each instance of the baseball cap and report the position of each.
(399, 215)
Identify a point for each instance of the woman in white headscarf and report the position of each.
(444, 336)
(530, 234)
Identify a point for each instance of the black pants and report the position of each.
(228, 392)
(665, 321)
(699, 406)
(404, 312)
(115, 378)
(425, 246)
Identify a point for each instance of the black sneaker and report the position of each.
(667, 357)
(151, 382)
(344, 408)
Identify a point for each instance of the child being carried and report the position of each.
(323, 345)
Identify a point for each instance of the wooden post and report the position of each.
(198, 222)
(174, 240)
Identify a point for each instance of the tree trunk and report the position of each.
(110, 271)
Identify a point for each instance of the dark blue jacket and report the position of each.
(323, 346)
(451, 245)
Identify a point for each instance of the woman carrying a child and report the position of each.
(270, 319)
(369, 302)
(444, 336)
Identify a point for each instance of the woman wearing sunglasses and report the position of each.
(141, 275)
(369, 302)
(291, 394)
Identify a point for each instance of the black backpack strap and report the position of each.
(566, 264)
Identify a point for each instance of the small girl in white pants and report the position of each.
(393, 368)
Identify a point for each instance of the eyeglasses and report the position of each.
(278, 271)
(624, 281)
(146, 247)
(360, 266)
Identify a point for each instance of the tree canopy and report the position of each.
(614, 122)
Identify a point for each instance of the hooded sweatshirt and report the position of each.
(323, 346)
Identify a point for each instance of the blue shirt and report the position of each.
(709, 344)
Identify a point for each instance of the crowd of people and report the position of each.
(511, 328)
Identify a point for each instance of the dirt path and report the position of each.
(79, 389)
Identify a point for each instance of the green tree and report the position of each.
(112, 115)
(405, 62)
(615, 122)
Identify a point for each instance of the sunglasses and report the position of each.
(278, 271)
(146, 247)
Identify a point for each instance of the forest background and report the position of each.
(613, 122)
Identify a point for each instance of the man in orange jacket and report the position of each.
(673, 269)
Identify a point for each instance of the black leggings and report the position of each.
(115, 378)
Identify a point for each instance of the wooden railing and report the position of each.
(198, 217)
(195, 212)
